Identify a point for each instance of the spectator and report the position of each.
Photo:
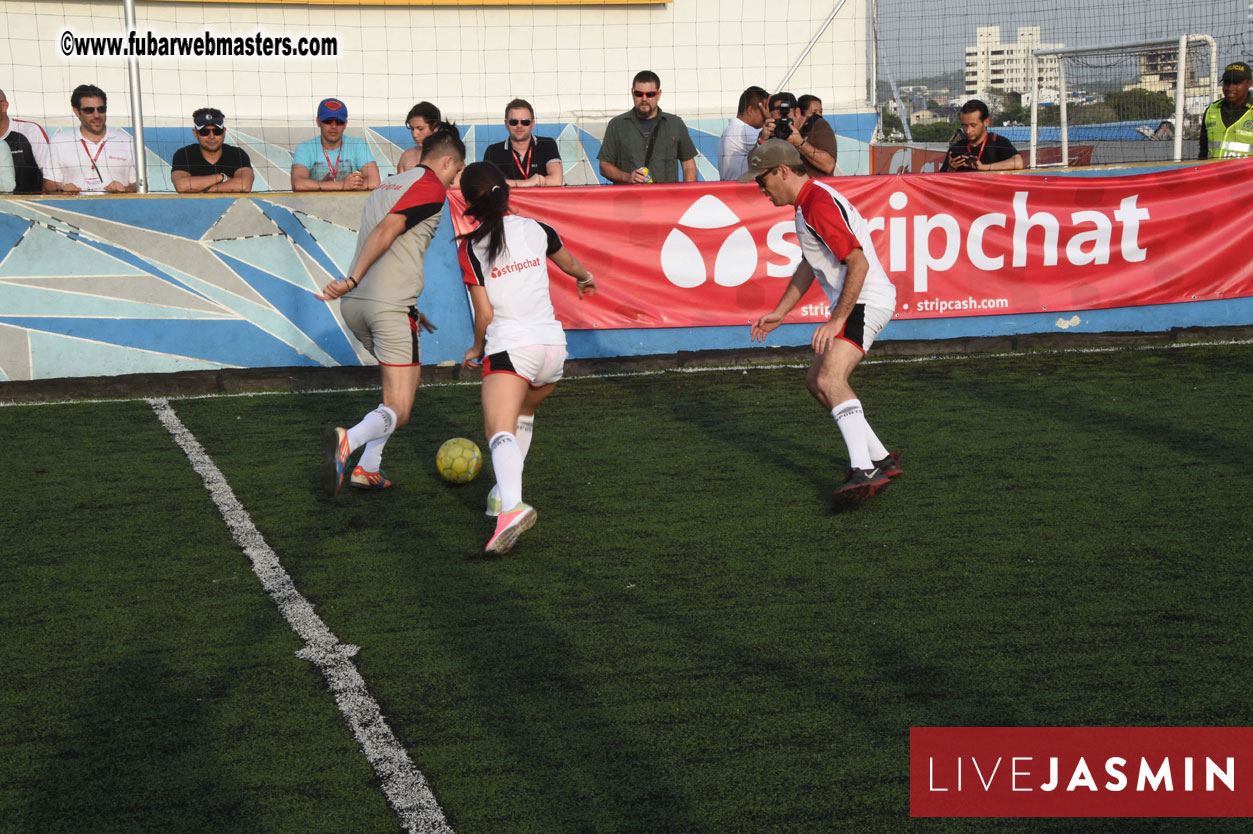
(740, 135)
(644, 144)
(1228, 132)
(28, 144)
(816, 145)
(209, 164)
(980, 150)
(810, 106)
(8, 180)
(525, 160)
(352, 168)
(94, 158)
(422, 121)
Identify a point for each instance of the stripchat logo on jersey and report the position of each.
(516, 266)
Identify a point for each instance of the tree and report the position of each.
(1140, 105)
(891, 123)
(934, 132)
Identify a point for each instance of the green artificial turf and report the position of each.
(689, 640)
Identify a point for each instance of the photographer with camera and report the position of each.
(973, 148)
(814, 139)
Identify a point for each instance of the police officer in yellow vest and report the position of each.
(1228, 130)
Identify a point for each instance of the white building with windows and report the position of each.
(1006, 67)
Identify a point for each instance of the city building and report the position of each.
(1006, 67)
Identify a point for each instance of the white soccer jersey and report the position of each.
(829, 228)
(398, 276)
(516, 284)
(91, 165)
(37, 137)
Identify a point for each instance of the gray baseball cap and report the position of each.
(770, 154)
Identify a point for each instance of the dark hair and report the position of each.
(83, 91)
(444, 141)
(519, 104)
(804, 101)
(646, 77)
(209, 112)
(487, 200)
(750, 98)
(429, 113)
(975, 106)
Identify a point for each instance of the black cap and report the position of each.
(786, 98)
(1236, 72)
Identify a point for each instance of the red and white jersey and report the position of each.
(516, 284)
(398, 275)
(37, 137)
(829, 229)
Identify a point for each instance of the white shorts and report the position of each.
(539, 365)
(864, 324)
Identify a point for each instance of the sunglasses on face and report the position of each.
(761, 178)
(642, 94)
(210, 130)
(333, 122)
(91, 111)
(516, 122)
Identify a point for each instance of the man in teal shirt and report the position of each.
(644, 144)
(333, 161)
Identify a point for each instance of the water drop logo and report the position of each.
(682, 262)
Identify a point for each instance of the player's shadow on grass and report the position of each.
(141, 758)
(573, 761)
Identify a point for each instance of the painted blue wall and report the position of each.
(113, 285)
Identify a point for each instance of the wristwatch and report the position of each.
(223, 175)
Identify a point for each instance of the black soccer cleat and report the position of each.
(860, 485)
(891, 465)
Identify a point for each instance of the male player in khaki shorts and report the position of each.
(379, 297)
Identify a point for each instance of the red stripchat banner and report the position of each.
(701, 254)
(1081, 771)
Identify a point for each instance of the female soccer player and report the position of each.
(518, 341)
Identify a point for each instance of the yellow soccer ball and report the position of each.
(458, 460)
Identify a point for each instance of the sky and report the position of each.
(928, 38)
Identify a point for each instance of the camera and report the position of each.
(783, 124)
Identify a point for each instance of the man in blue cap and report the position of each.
(333, 161)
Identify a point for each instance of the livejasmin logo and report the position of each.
(1080, 771)
(683, 263)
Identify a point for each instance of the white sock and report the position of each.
(377, 425)
(852, 422)
(372, 458)
(507, 464)
(877, 450)
(526, 427)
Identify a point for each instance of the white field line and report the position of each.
(698, 369)
(405, 787)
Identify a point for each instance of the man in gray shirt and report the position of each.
(644, 144)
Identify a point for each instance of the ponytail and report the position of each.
(487, 201)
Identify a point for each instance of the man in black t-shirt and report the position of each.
(980, 150)
(524, 159)
(211, 165)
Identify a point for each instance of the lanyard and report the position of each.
(334, 169)
(517, 159)
(979, 153)
(92, 159)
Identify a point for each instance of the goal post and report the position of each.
(1105, 56)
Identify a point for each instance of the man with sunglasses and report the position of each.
(837, 250)
(94, 158)
(525, 160)
(1228, 122)
(644, 144)
(210, 165)
(333, 161)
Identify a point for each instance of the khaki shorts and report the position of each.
(388, 332)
